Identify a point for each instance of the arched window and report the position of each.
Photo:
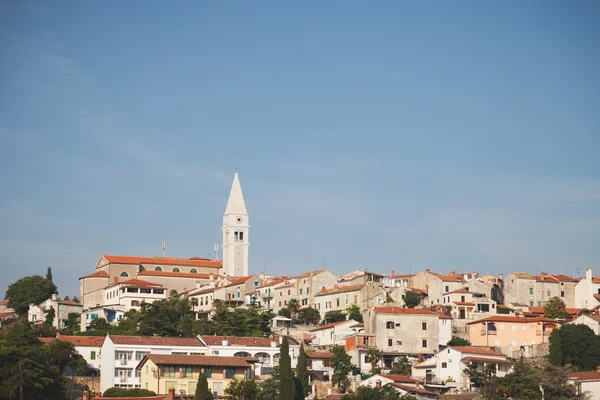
(158, 268)
(242, 354)
(175, 269)
(124, 275)
(193, 271)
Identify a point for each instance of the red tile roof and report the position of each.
(596, 279)
(273, 282)
(319, 355)
(585, 376)
(199, 262)
(331, 325)
(176, 274)
(136, 281)
(399, 378)
(461, 290)
(449, 278)
(403, 276)
(4, 302)
(130, 398)
(510, 318)
(82, 341)
(412, 389)
(463, 303)
(540, 310)
(214, 361)
(485, 359)
(248, 341)
(201, 290)
(406, 311)
(340, 289)
(444, 316)
(307, 274)
(239, 281)
(476, 350)
(7, 314)
(155, 341)
(418, 290)
(359, 325)
(97, 274)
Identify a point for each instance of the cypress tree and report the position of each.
(555, 356)
(49, 274)
(287, 387)
(202, 392)
(301, 371)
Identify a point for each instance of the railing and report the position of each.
(123, 379)
(365, 346)
(490, 332)
(123, 361)
(546, 333)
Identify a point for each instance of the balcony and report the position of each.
(489, 332)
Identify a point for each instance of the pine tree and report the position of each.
(555, 356)
(202, 392)
(287, 387)
(50, 316)
(49, 274)
(301, 371)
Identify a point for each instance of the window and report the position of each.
(390, 342)
(307, 290)
(424, 343)
(424, 326)
(539, 303)
(187, 372)
(562, 293)
(157, 268)
(397, 324)
(138, 373)
(236, 235)
(169, 372)
(229, 373)
(279, 304)
(462, 298)
(289, 292)
(135, 303)
(530, 290)
(444, 365)
(124, 274)
(304, 281)
(389, 325)
(255, 283)
(93, 355)
(140, 354)
(208, 372)
(300, 291)
(337, 301)
(305, 302)
(447, 289)
(176, 269)
(241, 235)
(238, 294)
(193, 271)
(531, 303)
(515, 327)
(547, 293)
(218, 388)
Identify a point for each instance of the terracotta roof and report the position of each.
(418, 290)
(444, 316)
(403, 276)
(412, 389)
(4, 302)
(331, 325)
(459, 396)
(136, 281)
(449, 278)
(155, 341)
(307, 274)
(340, 289)
(198, 262)
(540, 310)
(463, 303)
(319, 355)
(69, 303)
(523, 275)
(461, 290)
(97, 274)
(399, 378)
(176, 274)
(476, 350)
(486, 359)
(359, 325)
(406, 311)
(215, 361)
(565, 278)
(7, 314)
(239, 281)
(82, 341)
(248, 341)
(596, 279)
(201, 290)
(510, 318)
(585, 376)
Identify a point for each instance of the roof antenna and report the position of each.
(164, 248)
(216, 252)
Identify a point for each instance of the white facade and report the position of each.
(338, 298)
(587, 291)
(130, 294)
(380, 380)
(587, 382)
(121, 354)
(334, 333)
(445, 329)
(62, 309)
(593, 321)
(235, 233)
(112, 315)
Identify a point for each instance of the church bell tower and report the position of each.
(235, 232)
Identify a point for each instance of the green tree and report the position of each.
(29, 290)
(75, 299)
(99, 324)
(269, 388)
(202, 391)
(50, 314)
(72, 322)
(334, 316)
(302, 370)
(308, 316)
(49, 274)
(456, 341)
(555, 355)
(385, 393)
(286, 378)
(579, 347)
(402, 366)
(373, 357)
(555, 308)
(122, 392)
(341, 362)
(242, 389)
(285, 312)
(293, 305)
(354, 313)
(412, 298)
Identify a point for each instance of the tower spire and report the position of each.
(236, 204)
(235, 232)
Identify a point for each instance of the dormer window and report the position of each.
(158, 268)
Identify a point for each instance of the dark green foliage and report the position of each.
(579, 347)
(269, 388)
(341, 362)
(298, 389)
(555, 308)
(456, 341)
(99, 324)
(72, 321)
(412, 298)
(308, 316)
(287, 387)
(373, 358)
(164, 317)
(334, 316)
(29, 290)
(369, 393)
(302, 371)
(402, 366)
(49, 274)
(285, 312)
(75, 299)
(122, 392)
(50, 314)
(242, 389)
(354, 313)
(202, 391)
(238, 322)
(67, 298)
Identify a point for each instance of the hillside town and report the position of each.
(159, 324)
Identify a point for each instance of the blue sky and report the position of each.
(384, 135)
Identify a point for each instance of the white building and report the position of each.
(121, 354)
(62, 308)
(380, 380)
(112, 315)
(235, 233)
(265, 349)
(469, 305)
(445, 329)
(131, 293)
(338, 298)
(89, 347)
(452, 361)
(587, 382)
(416, 391)
(587, 291)
(593, 321)
(334, 333)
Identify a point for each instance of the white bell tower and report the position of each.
(235, 233)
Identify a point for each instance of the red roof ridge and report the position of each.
(331, 325)
(177, 274)
(398, 378)
(402, 310)
(162, 261)
(97, 274)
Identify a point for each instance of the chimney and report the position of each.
(116, 279)
(323, 289)
(392, 273)
(225, 342)
(54, 297)
(543, 274)
(85, 395)
(426, 269)
(588, 274)
(598, 368)
(420, 357)
(501, 277)
(171, 393)
(57, 334)
(378, 384)
(452, 272)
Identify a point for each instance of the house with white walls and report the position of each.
(111, 314)
(591, 320)
(334, 333)
(89, 347)
(62, 308)
(587, 383)
(587, 291)
(121, 355)
(338, 298)
(131, 293)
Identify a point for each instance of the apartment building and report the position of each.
(62, 308)
(309, 284)
(163, 372)
(435, 285)
(521, 288)
(338, 298)
(334, 333)
(112, 315)
(89, 347)
(131, 293)
(121, 355)
(357, 346)
(587, 291)
(468, 305)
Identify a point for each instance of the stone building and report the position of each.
(535, 290)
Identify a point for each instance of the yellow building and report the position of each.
(161, 372)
